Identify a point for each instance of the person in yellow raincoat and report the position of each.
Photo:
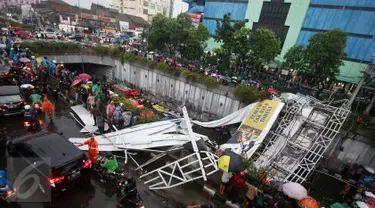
(48, 107)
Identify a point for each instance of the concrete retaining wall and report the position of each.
(167, 90)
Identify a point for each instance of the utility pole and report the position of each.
(171, 5)
(370, 71)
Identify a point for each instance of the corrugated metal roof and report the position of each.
(139, 21)
(123, 17)
(358, 3)
(351, 21)
(219, 9)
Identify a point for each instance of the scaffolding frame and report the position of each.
(281, 141)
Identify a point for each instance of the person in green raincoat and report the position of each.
(109, 165)
(96, 88)
(36, 98)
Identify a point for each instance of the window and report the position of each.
(158, 8)
(152, 6)
(145, 3)
(145, 11)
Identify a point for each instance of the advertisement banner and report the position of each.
(254, 127)
(107, 19)
(124, 26)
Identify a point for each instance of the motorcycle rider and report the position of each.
(127, 186)
(36, 98)
(109, 166)
(31, 117)
(5, 184)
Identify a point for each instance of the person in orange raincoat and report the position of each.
(48, 107)
(93, 148)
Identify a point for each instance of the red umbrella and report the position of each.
(84, 76)
(77, 81)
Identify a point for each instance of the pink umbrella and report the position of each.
(77, 81)
(295, 190)
(84, 76)
(24, 59)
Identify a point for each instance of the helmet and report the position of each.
(242, 173)
(27, 107)
(54, 61)
(108, 154)
(12, 49)
(33, 57)
(62, 65)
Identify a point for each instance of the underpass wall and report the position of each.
(158, 87)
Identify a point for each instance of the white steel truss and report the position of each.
(301, 137)
(184, 170)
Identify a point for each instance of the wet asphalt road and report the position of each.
(94, 194)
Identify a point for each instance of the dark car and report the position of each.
(67, 163)
(11, 100)
(76, 37)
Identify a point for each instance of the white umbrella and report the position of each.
(295, 191)
(361, 204)
(369, 194)
(24, 86)
(370, 169)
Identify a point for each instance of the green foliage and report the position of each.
(101, 50)
(193, 48)
(324, 55)
(249, 95)
(264, 46)
(148, 119)
(55, 47)
(127, 105)
(115, 52)
(294, 58)
(162, 66)
(152, 64)
(190, 76)
(210, 82)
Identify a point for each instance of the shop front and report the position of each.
(99, 23)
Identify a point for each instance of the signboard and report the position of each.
(89, 16)
(107, 19)
(254, 127)
(124, 26)
(195, 17)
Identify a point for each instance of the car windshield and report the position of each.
(10, 99)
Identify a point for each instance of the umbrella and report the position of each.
(84, 76)
(24, 86)
(77, 81)
(277, 185)
(369, 194)
(3, 46)
(24, 60)
(308, 202)
(370, 170)
(360, 204)
(338, 205)
(39, 59)
(294, 190)
(231, 162)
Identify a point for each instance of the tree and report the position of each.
(193, 48)
(324, 55)
(264, 46)
(166, 34)
(294, 58)
(225, 33)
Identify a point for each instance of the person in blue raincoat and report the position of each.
(16, 58)
(11, 53)
(44, 63)
(52, 67)
(34, 63)
(5, 184)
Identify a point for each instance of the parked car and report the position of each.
(49, 34)
(11, 100)
(67, 164)
(23, 34)
(76, 37)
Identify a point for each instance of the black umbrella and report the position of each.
(231, 162)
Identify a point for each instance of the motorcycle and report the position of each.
(31, 126)
(119, 174)
(8, 195)
(129, 198)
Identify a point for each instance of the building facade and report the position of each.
(295, 21)
(142, 8)
(18, 2)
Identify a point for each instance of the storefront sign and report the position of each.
(89, 16)
(124, 26)
(107, 19)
